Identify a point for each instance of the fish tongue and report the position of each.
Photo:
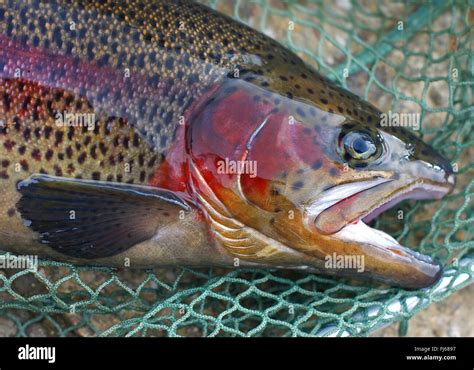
(348, 203)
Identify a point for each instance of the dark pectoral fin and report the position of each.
(92, 219)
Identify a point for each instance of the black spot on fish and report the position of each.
(103, 148)
(152, 161)
(126, 142)
(90, 51)
(103, 60)
(57, 37)
(300, 112)
(36, 155)
(297, 185)
(81, 159)
(193, 78)
(69, 152)
(27, 134)
(168, 118)
(93, 151)
(58, 171)
(317, 165)
(58, 137)
(24, 165)
(163, 141)
(47, 132)
(36, 40)
(141, 160)
(169, 63)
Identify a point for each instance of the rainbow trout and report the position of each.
(157, 133)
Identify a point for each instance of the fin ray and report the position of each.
(92, 219)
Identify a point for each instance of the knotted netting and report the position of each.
(401, 56)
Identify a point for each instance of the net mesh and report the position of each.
(406, 57)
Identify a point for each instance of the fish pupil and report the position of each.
(359, 145)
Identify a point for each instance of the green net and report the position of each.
(404, 57)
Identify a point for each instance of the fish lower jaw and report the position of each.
(360, 233)
(388, 261)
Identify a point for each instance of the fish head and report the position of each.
(311, 175)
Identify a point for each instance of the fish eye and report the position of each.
(358, 147)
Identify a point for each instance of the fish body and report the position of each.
(163, 133)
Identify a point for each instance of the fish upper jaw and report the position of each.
(418, 190)
(366, 200)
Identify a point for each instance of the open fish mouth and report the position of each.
(344, 211)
